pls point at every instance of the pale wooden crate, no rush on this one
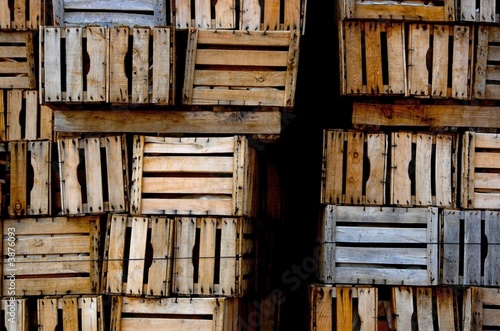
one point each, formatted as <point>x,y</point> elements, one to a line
<point>219,72</point>
<point>108,13</point>
<point>207,314</point>
<point>152,74</point>
<point>17,60</point>
<point>22,117</point>
<point>365,68</point>
<point>480,182</point>
<point>478,11</point>
<point>84,189</point>
<point>342,307</point>
<point>480,308</point>
<point>470,247</point>
<point>193,176</point>
<point>138,256</point>
<point>409,10</point>
<point>214,256</point>
<point>15,314</point>
<point>71,313</point>
<point>486,66</point>
<point>55,64</point>
<point>440,60</point>
<point>266,15</point>
<point>52,255</point>
<point>423,169</point>
<point>346,178</point>
<point>21,14</point>
<point>378,245</point>
<point>30,194</point>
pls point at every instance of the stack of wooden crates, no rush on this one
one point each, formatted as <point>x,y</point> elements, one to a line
<point>131,175</point>
<point>409,231</point>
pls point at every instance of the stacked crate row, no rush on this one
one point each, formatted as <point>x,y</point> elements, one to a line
<point>120,227</point>
<point>409,229</point>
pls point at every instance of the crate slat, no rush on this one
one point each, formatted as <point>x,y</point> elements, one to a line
<point>264,76</point>
<point>53,255</point>
<point>213,257</point>
<point>272,15</point>
<point>376,231</point>
<point>16,314</point>
<point>77,199</point>
<point>23,15</point>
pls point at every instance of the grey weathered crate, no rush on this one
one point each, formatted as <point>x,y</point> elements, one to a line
<point>365,69</point>
<point>138,256</point>
<point>30,194</point>
<point>194,176</point>
<point>354,167</point>
<point>22,117</point>
<point>207,314</point>
<point>409,10</point>
<point>17,69</point>
<point>480,188</point>
<point>245,68</point>
<point>378,245</point>
<point>71,313</point>
<point>470,247</point>
<point>22,14</point>
<point>82,163</point>
<point>214,256</point>
<point>109,13</point>
<point>52,255</point>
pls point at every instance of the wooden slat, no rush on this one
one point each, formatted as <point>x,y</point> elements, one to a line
<point>47,313</point>
<point>401,156</point>
<point>344,308</point>
<point>225,14</point>
<point>396,58</point>
<point>50,225</point>
<point>402,298</point>
<point>19,170</point>
<point>91,310</point>
<point>445,308</point>
<point>16,314</point>
<point>97,40</point>
<point>229,254</point>
<point>40,195</point>
<point>424,308</point>
<point>185,231</point>
<point>52,64</point>
<point>148,121</point>
<point>333,153</point>
<point>115,162</point>
<point>137,255</point>
<point>137,164</point>
<point>443,177</point>
<point>31,121</point>
<point>206,264</point>
<point>162,88</point>
<point>419,36</point>
<point>354,171</point>
<point>472,248</point>
<point>93,175</point>
<point>115,263</point>
<point>204,164</point>
<point>250,15</point>
<point>14,109</point>
<point>460,68</point>
<point>118,48</point>
<point>187,185</point>
<point>70,313</point>
<point>140,66</point>
<point>423,171</point>
<point>160,272</point>
<point>373,58</point>
<point>69,158</point>
<point>187,206</point>
<point>451,246</point>
<point>74,64</point>
<point>440,57</point>
<point>322,307</point>
<point>353,58</point>
<point>492,233</point>
<point>368,307</point>
<point>377,145</point>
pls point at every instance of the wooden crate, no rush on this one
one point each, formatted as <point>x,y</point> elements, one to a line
<point>207,314</point>
<point>30,194</point>
<point>51,256</point>
<point>22,117</point>
<point>354,169</point>
<point>152,74</point>
<point>272,15</point>
<point>108,13</point>
<point>423,169</point>
<point>14,314</point>
<point>71,313</point>
<point>470,247</point>
<point>17,67</point>
<point>481,307</point>
<point>440,60</point>
<point>249,68</point>
<point>342,307</point>
<point>486,65</point>
<point>21,14</point>
<point>82,163</point>
<point>64,71</point>
<point>409,10</point>
<point>204,14</point>
<point>138,256</point>
<point>378,245</point>
<point>372,58</point>
<point>482,11</point>
<point>480,182</point>
<point>193,176</point>
<point>214,257</point>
